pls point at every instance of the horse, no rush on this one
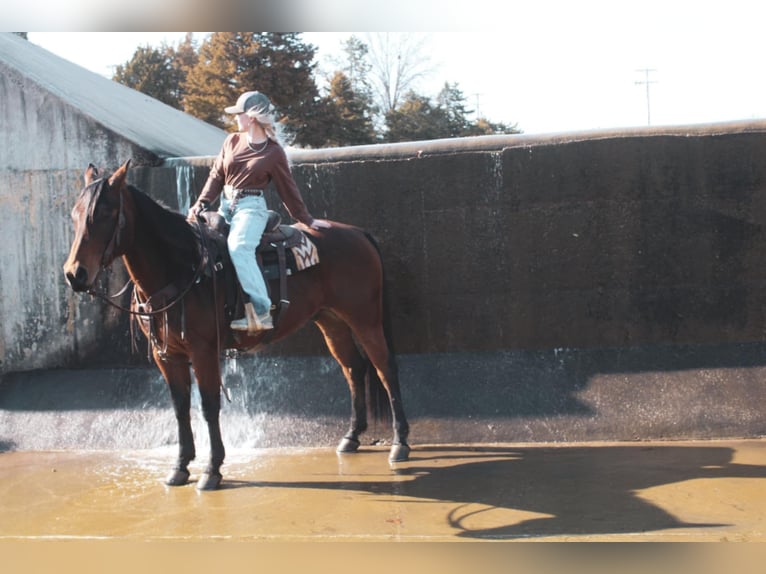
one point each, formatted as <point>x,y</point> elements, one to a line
<point>181,309</point>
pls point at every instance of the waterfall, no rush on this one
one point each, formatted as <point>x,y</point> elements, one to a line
<point>184,180</point>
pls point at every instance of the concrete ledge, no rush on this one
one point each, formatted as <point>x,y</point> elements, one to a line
<point>449,146</point>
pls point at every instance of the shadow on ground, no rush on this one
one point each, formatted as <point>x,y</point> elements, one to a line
<point>579,490</point>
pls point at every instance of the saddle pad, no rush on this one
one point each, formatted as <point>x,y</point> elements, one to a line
<point>297,258</point>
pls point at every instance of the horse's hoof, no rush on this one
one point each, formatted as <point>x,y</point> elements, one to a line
<point>347,445</point>
<point>178,477</point>
<point>399,453</point>
<point>209,481</point>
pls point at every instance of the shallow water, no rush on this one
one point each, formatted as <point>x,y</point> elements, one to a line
<point>698,491</point>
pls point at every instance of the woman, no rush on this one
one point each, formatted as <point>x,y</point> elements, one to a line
<point>248,161</point>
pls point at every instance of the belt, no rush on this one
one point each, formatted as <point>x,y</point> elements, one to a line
<point>234,193</point>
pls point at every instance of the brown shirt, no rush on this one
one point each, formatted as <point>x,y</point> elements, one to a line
<point>239,166</point>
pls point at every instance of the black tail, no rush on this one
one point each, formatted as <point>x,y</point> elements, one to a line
<point>378,403</point>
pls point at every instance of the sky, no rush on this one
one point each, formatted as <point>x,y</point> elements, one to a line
<point>549,65</point>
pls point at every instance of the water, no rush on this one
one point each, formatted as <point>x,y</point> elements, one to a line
<point>184,182</point>
<point>275,402</point>
<point>282,401</point>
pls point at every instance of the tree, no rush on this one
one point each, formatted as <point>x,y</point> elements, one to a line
<point>418,118</point>
<point>357,68</point>
<point>349,120</point>
<point>150,73</point>
<point>484,127</point>
<point>203,81</point>
<point>183,59</point>
<point>397,62</point>
<point>159,72</point>
<point>415,119</point>
<point>452,101</point>
<point>278,64</point>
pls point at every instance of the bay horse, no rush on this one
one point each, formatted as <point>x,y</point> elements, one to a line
<point>163,253</point>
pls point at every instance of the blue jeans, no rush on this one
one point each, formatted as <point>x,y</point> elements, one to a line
<point>248,222</point>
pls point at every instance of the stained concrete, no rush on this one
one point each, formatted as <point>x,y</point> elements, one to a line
<point>683,491</point>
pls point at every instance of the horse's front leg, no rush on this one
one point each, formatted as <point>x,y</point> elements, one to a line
<point>178,378</point>
<point>207,369</point>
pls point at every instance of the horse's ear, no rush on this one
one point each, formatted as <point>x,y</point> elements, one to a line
<point>118,177</point>
<point>91,173</point>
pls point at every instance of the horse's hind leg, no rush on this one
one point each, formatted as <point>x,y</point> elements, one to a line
<point>341,344</point>
<point>178,378</point>
<point>373,341</point>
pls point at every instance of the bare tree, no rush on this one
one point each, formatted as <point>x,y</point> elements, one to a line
<point>397,62</point>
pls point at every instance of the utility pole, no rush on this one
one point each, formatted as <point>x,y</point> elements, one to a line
<point>478,112</point>
<point>647,81</point>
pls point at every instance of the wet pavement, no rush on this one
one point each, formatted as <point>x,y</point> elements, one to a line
<point>660,491</point>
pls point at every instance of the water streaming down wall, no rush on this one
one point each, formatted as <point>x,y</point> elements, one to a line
<point>184,182</point>
<point>273,403</point>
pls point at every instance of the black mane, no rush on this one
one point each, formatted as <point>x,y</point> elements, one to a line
<point>171,228</point>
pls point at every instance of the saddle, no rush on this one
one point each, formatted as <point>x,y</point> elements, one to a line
<point>283,251</point>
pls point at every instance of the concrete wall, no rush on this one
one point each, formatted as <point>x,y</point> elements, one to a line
<point>608,239</point>
<point>55,119</point>
<point>575,241</point>
<point>45,146</point>
<point>563,287</point>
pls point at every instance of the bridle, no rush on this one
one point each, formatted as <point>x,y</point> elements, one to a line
<point>109,256</point>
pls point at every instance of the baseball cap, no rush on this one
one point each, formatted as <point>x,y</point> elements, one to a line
<point>248,101</point>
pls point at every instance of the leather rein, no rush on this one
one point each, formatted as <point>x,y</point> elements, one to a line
<point>108,258</point>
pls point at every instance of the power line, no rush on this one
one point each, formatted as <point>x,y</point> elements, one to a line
<point>646,81</point>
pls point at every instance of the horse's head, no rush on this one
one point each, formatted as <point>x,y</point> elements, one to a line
<point>99,217</point>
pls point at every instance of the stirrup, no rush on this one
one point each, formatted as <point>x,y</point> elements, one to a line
<point>264,322</point>
<point>252,322</point>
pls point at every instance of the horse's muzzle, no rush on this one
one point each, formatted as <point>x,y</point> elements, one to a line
<point>77,278</point>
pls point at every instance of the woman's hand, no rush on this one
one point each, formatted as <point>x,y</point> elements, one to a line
<point>196,209</point>
<point>320,224</point>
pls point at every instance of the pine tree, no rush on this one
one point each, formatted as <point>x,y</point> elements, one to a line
<point>348,119</point>
<point>208,87</point>
<point>182,60</point>
<point>415,119</point>
<point>484,127</point>
<point>150,72</point>
<point>159,72</point>
<point>452,101</point>
<point>418,118</point>
<point>279,65</point>
<point>357,69</point>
